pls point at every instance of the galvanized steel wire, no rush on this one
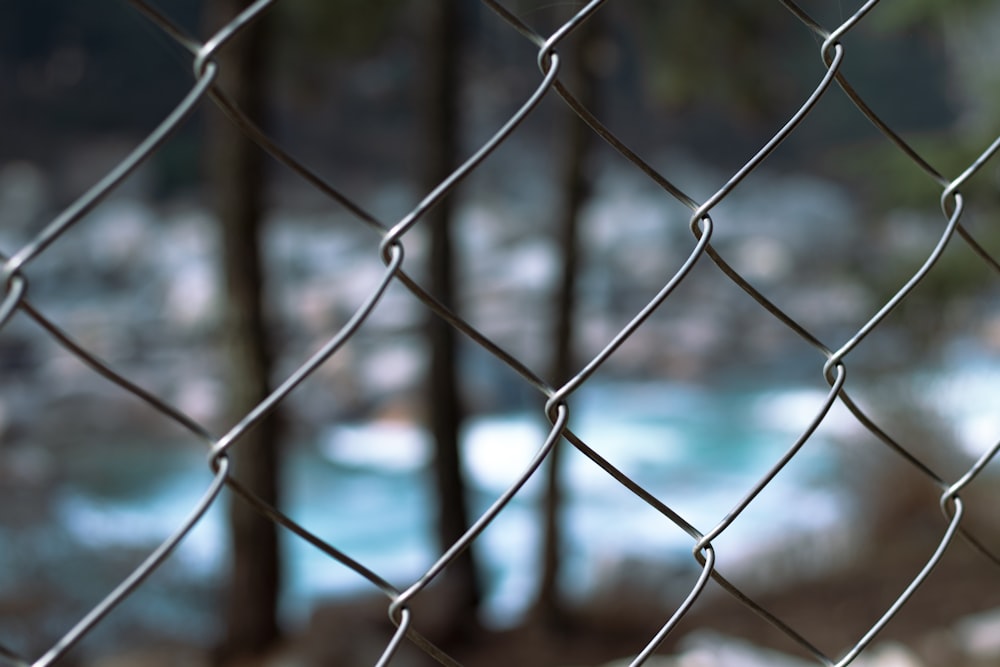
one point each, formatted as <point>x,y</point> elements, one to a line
<point>555,402</point>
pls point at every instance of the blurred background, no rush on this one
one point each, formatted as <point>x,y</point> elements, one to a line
<point>554,243</point>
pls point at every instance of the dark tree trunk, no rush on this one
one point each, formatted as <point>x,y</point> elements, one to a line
<point>442,89</point>
<point>237,177</point>
<point>575,188</point>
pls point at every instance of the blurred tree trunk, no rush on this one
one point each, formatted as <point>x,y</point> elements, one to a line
<point>442,89</point>
<point>237,177</point>
<point>574,187</point>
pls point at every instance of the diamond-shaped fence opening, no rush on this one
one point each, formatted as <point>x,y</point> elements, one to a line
<point>776,418</point>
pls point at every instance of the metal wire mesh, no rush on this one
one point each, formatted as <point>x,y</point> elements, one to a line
<point>555,402</point>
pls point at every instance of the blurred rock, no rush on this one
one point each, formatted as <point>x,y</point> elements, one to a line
<point>979,636</point>
<point>154,657</point>
<point>888,654</point>
<point>710,649</point>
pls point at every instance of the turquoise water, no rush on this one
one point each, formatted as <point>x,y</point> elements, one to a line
<point>364,488</point>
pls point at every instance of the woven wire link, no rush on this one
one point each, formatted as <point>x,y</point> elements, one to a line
<point>556,403</point>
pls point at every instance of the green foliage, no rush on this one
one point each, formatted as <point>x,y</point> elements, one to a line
<point>904,221</point>
<point>951,296</point>
<point>895,16</point>
<point>721,53</point>
<point>341,28</point>
<point>888,179</point>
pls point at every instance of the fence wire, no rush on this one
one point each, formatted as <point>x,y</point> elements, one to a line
<point>555,402</point>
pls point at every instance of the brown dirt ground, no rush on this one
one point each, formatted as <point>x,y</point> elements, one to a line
<point>832,613</point>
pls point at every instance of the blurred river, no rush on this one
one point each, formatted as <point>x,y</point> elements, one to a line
<point>146,300</point>
<point>364,488</point>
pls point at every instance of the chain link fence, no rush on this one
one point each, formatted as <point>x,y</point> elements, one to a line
<point>555,403</point>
